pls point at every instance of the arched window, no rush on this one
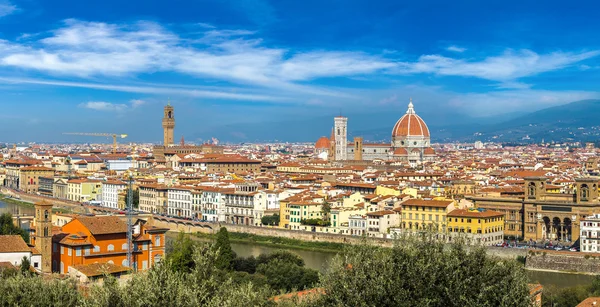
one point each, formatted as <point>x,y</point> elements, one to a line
<point>531,190</point>
<point>585,192</point>
<point>111,262</point>
<point>170,114</point>
<point>45,231</point>
<point>96,249</point>
<point>46,214</point>
<point>111,247</point>
<point>124,246</point>
<point>125,263</point>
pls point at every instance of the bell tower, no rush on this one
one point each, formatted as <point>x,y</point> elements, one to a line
<point>168,124</point>
<point>586,190</point>
<point>43,234</point>
<point>535,188</point>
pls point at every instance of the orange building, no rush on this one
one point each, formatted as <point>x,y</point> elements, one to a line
<point>87,240</point>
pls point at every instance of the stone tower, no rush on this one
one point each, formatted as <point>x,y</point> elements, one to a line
<point>43,234</point>
<point>358,148</point>
<point>168,124</point>
<point>341,138</point>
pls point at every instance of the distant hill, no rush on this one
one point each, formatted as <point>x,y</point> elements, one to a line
<point>578,121</point>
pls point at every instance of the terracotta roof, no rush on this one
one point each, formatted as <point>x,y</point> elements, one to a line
<point>6,265</point>
<point>590,301</point>
<point>13,244</point>
<point>98,269</point>
<point>322,143</point>
<point>380,213</point>
<point>101,225</point>
<point>410,125</point>
<point>37,168</point>
<point>427,203</point>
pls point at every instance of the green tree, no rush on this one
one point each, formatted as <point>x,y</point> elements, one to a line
<point>270,220</point>
<point>180,254</point>
<point>25,265</point>
<point>282,255</point>
<point>326,210</point>
<point>136,198</point>
<point>287,276</point>
<point>422,272</point>
<point>226,255</point>
<point>7,227</point>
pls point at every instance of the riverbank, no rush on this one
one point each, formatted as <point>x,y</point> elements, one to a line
<point>278,242</point>
<point>9,200</point>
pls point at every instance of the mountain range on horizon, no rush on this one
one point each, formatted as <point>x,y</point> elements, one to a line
<point>572,121</point>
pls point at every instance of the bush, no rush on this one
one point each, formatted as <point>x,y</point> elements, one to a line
<point>315,222</point>
<point>270,220</point>
<point>287,276</point>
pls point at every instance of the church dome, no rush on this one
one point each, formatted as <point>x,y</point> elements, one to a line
<point>322,143</point>
<point>410,125</point>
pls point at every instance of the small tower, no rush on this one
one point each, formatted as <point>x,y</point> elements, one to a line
<point>358,148</point>
<point>586,190</point>
<point>341,138</point>
<point>182,141</point>
<point>43,233</point>
<point>168,124</point>
<point>535,188</point>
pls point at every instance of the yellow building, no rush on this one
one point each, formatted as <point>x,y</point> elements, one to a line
<point>303,211</point>
<point>411,191</point>
<point>29,177</point>
<point>419,214</point>
<point>381,190</point>
<point>82,190</point>
<point>479,225</point>
<point>353,200</point>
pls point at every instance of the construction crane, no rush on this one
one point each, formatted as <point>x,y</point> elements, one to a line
<point>113,135</point>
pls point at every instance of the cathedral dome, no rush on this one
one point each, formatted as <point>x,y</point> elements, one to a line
<point>410,125</point>
<point>322,143</point>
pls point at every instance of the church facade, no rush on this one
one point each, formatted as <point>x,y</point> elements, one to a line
<point>410,142</point>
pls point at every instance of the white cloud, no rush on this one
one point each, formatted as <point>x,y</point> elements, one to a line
<point>454,48</point>
<point>7,8</point>
<point>509,66</point>
<point>103,106</point>
<point>136,103</point>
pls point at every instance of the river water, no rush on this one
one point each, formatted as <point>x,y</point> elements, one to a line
<point>318,259</point>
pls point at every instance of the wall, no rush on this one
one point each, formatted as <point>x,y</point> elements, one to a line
<point>563,261</point>
<point>15,258</point>
<point>510,253</point>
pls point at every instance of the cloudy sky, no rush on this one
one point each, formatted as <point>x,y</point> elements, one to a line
<point>110,66</point>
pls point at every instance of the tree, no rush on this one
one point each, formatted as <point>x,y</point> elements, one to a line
<point>325,209</point>
<point>226,255</point>
<point>180,256</point>
<point>7,227</point>
<point>287,276</point>
<point>136,198</point>
<point>270,220</point>
<point>422,272</point>
<point>25,265</point>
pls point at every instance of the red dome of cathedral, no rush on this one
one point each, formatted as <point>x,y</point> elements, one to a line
<point>410,125</point>
<point>322,143</point>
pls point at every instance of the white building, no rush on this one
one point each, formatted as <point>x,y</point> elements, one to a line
<point>379,222</point>
<point>13,248</point>
<point>119,165</point>
<point>179,202</point>
<point>589,234</point>
<point>357,225</point>
<point>110,193</point>
<point>212,204</point>
<point>341,138</point>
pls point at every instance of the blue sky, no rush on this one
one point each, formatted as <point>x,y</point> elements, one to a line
<point>110,66</point>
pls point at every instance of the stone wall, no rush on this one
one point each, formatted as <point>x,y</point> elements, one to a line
<point>563,261</point>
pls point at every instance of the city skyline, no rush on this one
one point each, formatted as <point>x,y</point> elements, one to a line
<point>94,68</point>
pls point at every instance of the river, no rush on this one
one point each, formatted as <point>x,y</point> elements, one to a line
<point>318,259</point>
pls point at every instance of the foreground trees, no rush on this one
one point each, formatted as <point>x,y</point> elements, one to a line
<point>416,272</point>
<point>7,227</point>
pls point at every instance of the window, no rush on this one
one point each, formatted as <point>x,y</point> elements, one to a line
<point>111,247</point>
<point>144,265</point>
<point>69,251</point>
<point>157,240</point>
<point>124,246</point>
<point>54,247</point>
<point>96,249</point>
<point>78,251</point>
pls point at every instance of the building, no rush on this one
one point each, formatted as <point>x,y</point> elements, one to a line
<point>84,190</point>
<point>91,240</point>
<point>378,222</point>
<point>153,198</point>
<point>537,215</point>
<point>46,186</point>
<point>589,236</point>
<point>179,201</point>
<point>60,188</point>
<point>110,193</point>
<point>410,142</point>
<point>425,215</point>
<point>43,234</point>
<point>13,248</point>
<point>29,177</point>
<point>168,149</point>
<point>478,225</point>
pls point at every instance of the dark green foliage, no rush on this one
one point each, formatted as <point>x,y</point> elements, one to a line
<point>136,198</point>
<point>240,278</point>
<point>315,222</point>
<point>270,220</point>
<point>7,227</point>
<point>287,276</point>
<point>282,255</point>
<point>180,254</point>
<point>247,265</point>
<point>422,272</point>
<point>25,264</point>
<point>225,257</point>
<point>521,259</point>
<point>279,241</point>
<point>571,296</point>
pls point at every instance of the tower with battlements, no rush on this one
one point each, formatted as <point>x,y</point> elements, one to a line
<point>168,124</point>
